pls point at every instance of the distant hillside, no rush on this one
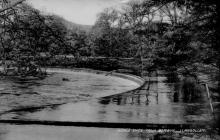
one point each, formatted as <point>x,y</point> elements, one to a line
<point>73,26</point>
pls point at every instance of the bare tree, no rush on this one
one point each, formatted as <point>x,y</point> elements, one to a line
<point>7,5</point>
<point>6,16</point>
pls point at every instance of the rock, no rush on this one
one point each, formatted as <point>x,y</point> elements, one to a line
<point>65,79</point>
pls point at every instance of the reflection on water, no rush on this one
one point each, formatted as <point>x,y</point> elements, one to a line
<point>156,105</point>
<point>26,95</point>
<point>159,102</point>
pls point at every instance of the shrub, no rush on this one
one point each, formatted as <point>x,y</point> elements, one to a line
<point>190,88</point>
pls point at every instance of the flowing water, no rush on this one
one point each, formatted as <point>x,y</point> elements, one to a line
<point>60,87</point>
<point>156,105</point>
<point>91,98</point>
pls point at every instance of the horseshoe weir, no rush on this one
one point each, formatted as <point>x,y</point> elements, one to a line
<point>97,101</point>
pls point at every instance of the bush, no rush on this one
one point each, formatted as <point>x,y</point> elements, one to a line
<point>190,88</point>
<point>92,63</point>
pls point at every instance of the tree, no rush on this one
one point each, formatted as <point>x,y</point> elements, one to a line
<point>6,6</point>
<point>111,39</point>
<point>7,14</point>
<point>183,21</point>
<point>78,44</point>
<point>28,35</point>
<point>56,33</point>
<point>138,18</point>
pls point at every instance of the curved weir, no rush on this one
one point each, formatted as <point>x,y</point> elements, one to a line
<point>128,104</point>
<point>62,86</point>
<point>95,103</point>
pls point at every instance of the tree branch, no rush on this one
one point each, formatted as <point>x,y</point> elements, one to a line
<point>11,5</point>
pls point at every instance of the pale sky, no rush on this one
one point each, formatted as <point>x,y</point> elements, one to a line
<point>78,11</point>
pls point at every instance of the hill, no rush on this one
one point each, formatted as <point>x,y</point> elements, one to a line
<point>73,26</point>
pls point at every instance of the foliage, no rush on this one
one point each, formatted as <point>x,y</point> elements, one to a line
<point>27,36</point>
<point>110,39</point>
<point>165,34</point>
<point>87,62</point>
<point>78,44</point>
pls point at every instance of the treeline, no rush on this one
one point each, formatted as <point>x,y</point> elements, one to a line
<point>167,34</point>
<point>26,36</point>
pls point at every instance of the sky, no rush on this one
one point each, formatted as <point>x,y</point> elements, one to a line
<point>78,11</point>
